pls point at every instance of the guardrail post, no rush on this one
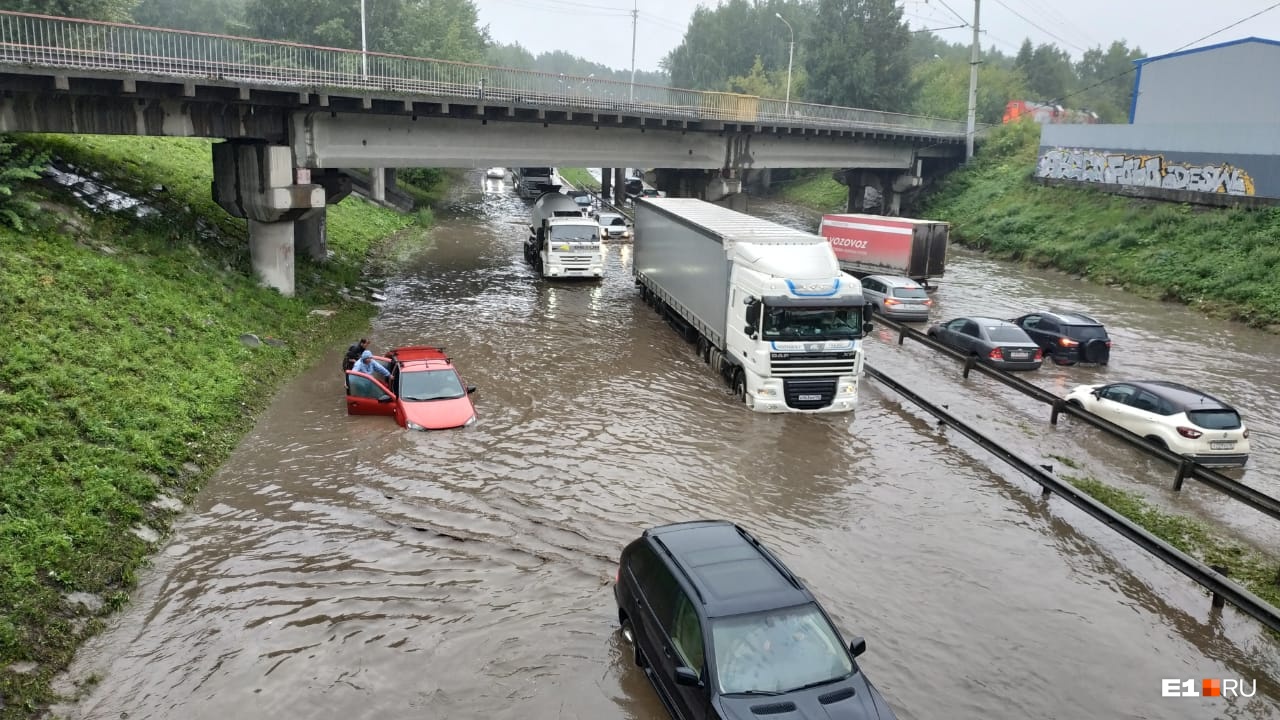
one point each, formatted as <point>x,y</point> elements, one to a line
<point>902,334</point>
<point>968,365</point>
<point>1218,601</point>
<point>1276,581</point>
<point>1058,406</point>
<point>1185,468</point>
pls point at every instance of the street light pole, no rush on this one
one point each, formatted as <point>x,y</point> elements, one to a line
<point>364,47</point>
<point>791,53</point>
<point>974,60</point>
<point>635,13</point>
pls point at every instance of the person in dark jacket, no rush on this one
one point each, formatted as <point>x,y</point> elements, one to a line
<point>349,360</point>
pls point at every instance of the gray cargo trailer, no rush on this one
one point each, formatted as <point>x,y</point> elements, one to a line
<point>687,264</point>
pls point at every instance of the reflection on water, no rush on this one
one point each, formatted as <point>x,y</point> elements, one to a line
<point>341,567</point>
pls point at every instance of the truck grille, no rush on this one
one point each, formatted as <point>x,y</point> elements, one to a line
<point>810,364</point>
<point>809,394</point>
<point>575,260</point>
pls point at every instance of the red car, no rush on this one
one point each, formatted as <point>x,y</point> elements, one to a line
<point>425,391</point>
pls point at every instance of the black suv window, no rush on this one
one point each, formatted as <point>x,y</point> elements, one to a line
<point>1032,321</point>
<point>1220,419</point>
<point>656,582</point>
<point>1048,325</point>
<point>1084,333</point>
<point>686,635</point>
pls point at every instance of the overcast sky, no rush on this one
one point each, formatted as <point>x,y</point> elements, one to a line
<point>600,30</point>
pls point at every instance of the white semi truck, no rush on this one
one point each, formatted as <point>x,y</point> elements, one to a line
<point>562,243</point>
<point>767,306</point>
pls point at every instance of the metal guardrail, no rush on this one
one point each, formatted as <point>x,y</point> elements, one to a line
<point>1186,468</point>
<point>59,42</point>
<point>1204,575</point>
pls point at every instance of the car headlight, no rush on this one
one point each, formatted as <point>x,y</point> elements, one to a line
<point>413,425</point>
<point>846,389</point>
<point>470,422</point>
<point>766,392</point>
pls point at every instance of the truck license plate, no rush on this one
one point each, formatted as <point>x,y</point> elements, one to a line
<point>803,398</point>
<point>1222,444</point>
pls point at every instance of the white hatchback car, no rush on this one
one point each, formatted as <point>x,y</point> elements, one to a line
<point>1184,420</point>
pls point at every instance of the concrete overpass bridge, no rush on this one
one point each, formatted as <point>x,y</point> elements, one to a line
<point>295,116</point>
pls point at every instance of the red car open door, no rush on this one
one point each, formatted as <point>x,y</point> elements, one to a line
<point>367,395</point>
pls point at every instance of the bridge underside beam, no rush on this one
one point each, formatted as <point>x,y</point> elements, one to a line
<point>336,140</point>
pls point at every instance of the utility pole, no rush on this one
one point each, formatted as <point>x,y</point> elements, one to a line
<point>635,14</point>
<point>974,60</point>
<point>364,47</point>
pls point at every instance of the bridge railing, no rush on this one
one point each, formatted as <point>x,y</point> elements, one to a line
<point>57,42</point>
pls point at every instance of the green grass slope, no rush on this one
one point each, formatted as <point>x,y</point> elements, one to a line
<point>126,379</point>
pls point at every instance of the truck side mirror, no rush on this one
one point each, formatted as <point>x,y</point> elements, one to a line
<point>753,312</point>
<point>867,328</point>
<point>750,330</point>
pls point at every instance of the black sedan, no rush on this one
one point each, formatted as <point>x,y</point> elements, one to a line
<point>998,343</point>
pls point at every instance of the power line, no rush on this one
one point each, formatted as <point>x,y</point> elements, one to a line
<point>960,17</point>
<point>1041,29</point>
<point>1054,16</point>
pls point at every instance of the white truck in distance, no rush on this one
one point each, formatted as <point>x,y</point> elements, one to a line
<point>766,305</point>
<point>562,242</point>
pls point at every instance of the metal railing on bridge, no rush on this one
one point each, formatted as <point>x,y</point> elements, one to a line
<point>57,42</point>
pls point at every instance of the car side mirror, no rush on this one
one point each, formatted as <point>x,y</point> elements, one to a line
<point>857,646</point>
<point>687,677</point>
<point>471,389</point>
<point>1096,393</point>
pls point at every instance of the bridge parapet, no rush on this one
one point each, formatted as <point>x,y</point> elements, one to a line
<point>56,42</point>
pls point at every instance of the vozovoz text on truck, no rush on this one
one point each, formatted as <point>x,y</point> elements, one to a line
<point>562,242</point>
<point>879,245</point>
<point>766,305</point>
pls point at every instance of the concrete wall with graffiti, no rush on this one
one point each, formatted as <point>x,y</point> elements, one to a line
<point>1197,162</point>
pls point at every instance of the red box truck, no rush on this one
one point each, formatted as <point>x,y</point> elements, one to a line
<point>875,244</point>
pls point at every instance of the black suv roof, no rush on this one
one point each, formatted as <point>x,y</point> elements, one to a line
<point>1071,318</point>
<point>729,570</point>
<point>1180,396</point>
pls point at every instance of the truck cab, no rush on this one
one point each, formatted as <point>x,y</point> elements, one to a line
<point>800,337</point>
<point>562,243</point>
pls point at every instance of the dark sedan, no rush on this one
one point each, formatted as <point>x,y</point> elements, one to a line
<point>998,343</point>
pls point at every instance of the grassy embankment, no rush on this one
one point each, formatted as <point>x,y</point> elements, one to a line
<point>126,382</point>
<point>1223,261</point>
<point>1219,259</point>
<point>579,178</point>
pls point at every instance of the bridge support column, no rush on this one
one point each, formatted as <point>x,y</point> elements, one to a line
<point>606,182</point>
<point>311,230</point>
<point>378,185</point>
<point>255,181</point>
<point>714,186</point>
<point>878,190</point>
<point>619,187</point>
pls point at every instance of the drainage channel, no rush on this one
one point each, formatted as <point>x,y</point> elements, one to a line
<point>1219,585</point>
<point>1186,468</point>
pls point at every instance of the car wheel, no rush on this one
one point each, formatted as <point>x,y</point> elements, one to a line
<point>740,385</point>
<point>1157,442</point>
<point>628,634</point>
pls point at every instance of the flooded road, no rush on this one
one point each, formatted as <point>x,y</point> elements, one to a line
<point>340,567</point>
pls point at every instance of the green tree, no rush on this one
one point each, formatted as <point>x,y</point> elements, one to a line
<point>944,90</point>
<point>16,167</point>
<point>225,17</point>
<point>858,54</point>
<point>444,29</point>
<point>723,42</point>
<point>112,10</point>
<point>1048,70</point>
<point>1106,79</point>
<point>767,84</point>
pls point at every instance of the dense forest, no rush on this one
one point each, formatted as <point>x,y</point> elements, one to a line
<point>859,53</point>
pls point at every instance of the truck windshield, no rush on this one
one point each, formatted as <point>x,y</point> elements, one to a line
<point>812,323</point>
<point>576,233</point>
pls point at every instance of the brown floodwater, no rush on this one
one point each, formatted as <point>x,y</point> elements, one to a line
<point>340,567</point>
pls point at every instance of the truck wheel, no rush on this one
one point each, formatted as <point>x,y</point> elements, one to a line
<point>740,385</point>
<point>704,350</point>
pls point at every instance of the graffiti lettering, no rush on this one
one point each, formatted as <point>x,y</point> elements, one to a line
<point>1142,171</point>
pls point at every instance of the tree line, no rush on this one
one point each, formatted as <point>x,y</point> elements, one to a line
<point>857,53</point>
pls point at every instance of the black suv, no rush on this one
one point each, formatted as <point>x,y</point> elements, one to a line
<point>724,630</point>
<point>1068,337</point>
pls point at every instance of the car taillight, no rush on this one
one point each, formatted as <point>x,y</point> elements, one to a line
<point>928,303</point>
<point>1067,342</point>
<point>1039,354</point>
<point>1246,433</point>
<point>892,301</point>
<point>618,578</point>
<point>1108,343</point>
<point>1187,432</point>
<point>995,354</point>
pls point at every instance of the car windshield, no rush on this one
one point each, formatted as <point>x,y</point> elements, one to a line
<point>777,651</point>
<point>1220,419</point>
<point>1004,333</point>
<point>910,292</point>
<point>430,385</point>
<point>1086,332</point>
<point>575,233</point>
<point>812,323</point>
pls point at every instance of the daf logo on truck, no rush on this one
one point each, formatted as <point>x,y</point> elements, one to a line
<point>722,279</point>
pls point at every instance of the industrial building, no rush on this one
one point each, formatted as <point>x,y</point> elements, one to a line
<point>1223,83</point>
